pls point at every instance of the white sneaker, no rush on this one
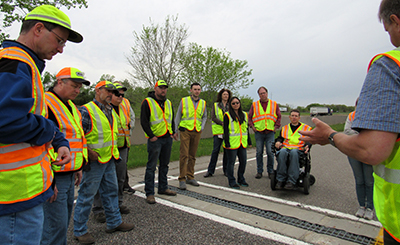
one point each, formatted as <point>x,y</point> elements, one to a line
<point>369,214</point>
<point>360,212</point>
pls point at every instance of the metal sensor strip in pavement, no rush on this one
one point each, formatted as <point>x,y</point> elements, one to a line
<point>271,215</point>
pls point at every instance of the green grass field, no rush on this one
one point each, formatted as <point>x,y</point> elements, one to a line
<point>138,153</point>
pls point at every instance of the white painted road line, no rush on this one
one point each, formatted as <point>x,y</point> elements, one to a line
<point>243,227</point>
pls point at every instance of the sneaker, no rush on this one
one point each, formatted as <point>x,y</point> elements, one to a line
<point>369,214</point>
<point>85,239</point>
<point>192,182</point>
<point>129,190</point>
<point>150,199</point>
<point>360,212</point>
<point>279,185</point>
<point>124,209</point>
<point>182,185</point>
<point>167,192</point>
<point>100,218</point>
<point>289,186</point>
<point>208,174</point>
<point>244,184</point>
<point>258,175</point>
<point>122,227</point>
<point>235,186</point>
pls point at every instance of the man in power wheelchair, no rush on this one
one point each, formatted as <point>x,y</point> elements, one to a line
<point>293,158</point>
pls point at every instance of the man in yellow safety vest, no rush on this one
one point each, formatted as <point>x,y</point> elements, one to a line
<point>378,122</point>
<point>190,120</point>
<point>99,122</point>
<point>25,133</point>
<point>157,122</point>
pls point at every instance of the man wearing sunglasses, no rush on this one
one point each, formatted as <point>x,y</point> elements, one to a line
<point>123,142</point>
<point>25,133</point>
<point>100,124</point>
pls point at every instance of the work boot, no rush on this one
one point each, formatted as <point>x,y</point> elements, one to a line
<point>258,175</point>
<point>289,186</point>
<point>100,217</point>
<point>150,199</point>
<point>85,239</point>
<point>124,209</point>
<point>182,185</point>
<point>122,227</point>
<point>167,192</point>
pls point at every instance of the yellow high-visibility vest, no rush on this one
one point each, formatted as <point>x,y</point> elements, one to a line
<point>25,169</point>
<point>387,177</point>
<point>192,117</point>
<point>237,133</point>
<point>160,121</point>
<point>103,136</point>
<point>217,129</point>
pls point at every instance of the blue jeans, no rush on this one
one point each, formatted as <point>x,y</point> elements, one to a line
<point>157,150</point>
<point>58,214</point>
<point>288,173</point>
<point>364,182</point>
<point>214,156</point>
<point>242,155</point>
<point>261,141</point>
<point>101,177</point>
<point>22,227</point>
<point>120,169</point>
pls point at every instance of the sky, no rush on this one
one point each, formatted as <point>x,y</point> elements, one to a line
<point>310,51</point>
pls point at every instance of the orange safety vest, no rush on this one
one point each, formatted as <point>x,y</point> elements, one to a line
<point>292,138</point>
<point>70,125</point>
<point>25,169</point>
<point>264,119</point>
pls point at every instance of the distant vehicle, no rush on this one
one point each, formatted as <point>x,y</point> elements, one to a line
<point>320,111</point>
<point>283,109</point>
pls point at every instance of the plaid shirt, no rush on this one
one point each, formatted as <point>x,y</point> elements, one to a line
<point>379,103</point>
<point>87,122</point>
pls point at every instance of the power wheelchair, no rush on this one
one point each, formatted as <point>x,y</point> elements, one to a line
<point>305,179</point>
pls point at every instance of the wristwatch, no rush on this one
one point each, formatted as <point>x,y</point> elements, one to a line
<point>330,138</point>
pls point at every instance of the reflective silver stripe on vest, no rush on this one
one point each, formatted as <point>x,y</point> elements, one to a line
<point>39,94</point>
<point>15,147</point>
<point>186,101</point>
<point>57,101</point>
<point>99,125</point>
<point>388,174</point>
<point>233,128</point>
<point>23,163</point>
<point>50,18</point>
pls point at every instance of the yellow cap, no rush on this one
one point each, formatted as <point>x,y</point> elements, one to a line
<point>53,15</point>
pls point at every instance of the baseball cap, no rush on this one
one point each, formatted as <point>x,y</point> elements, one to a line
<point>73,74</point>
<point>107,84</point>
<point>119,86</point>
<point>160,83</point>
<point>53,15</point>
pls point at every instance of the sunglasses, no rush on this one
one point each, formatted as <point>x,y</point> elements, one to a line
<point>116,93</point>
<point>235,103</point>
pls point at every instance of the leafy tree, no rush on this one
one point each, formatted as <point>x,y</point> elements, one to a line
<point>156,52</point>
<point>15,10</point>
<point>108,77</point>
<point>48,80</point>
<point>246,102</point>
<point>214,69</point>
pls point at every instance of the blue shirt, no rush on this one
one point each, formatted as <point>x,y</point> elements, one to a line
<point>378,106</point>
<point>17,124</point>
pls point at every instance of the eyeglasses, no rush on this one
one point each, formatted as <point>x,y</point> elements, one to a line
<point>235,103</point>
<point>61,41</point>
<point>116,93</point>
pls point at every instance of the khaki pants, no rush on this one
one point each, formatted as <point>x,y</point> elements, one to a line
<point>187,158</point>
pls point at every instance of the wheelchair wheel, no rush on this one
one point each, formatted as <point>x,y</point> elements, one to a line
<point>306,184</point>
<point>273,180</point>
<point>312,179</point>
